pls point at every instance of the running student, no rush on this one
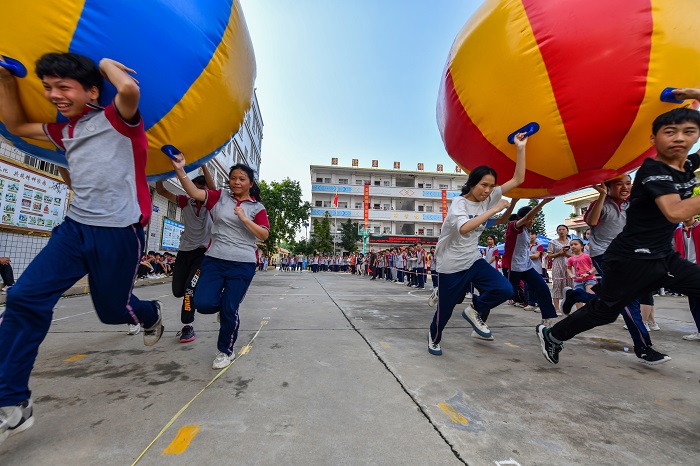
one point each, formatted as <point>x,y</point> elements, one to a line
<point>607,216</point>
<point>228,266</point>
<point>106,149</point>
<point>459,262</point>
<point>641,258</point>
<point>194,242</point>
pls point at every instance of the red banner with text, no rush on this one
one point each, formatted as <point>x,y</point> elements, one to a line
<point>366,206</point>
<point>444,204</point>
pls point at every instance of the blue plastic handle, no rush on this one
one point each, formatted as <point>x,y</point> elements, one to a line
<point>170,151</point>
<point>529,129</point>
<point>15,67</point>
<point>667,95</point>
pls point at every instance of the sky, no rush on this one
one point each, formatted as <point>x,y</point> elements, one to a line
<point>354,80</point>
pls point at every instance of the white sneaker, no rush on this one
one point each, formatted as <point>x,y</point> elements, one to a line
<point>646,326</point>
<point>475,321</point>
<point>433,300</point>
<point>529,307</point>
<point>222,360</point>
<point>653,326</point>
<point>433,348</point>
<point>476,335</point>
<point>151,335</point>
<point>692,337</point>
<point>134,329</point>
<point>16,419</point>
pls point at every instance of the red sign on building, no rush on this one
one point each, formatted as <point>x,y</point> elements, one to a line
<point>366,206</point>
<point>397,165</point>
<point>444,204</point>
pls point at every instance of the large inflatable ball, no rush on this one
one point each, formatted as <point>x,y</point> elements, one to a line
<point>194,62</point>
<point>588,73</point>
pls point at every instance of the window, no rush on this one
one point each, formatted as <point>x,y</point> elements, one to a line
<point>444,186</point>
<point>377,183</point>
<point>172,209</point>
<point>326,203</point>
<point>428,185</point>
<point>327,180</point>
<point>421,208</point>
<point>429,232</point>
<point>358,205</point>
<point>318,203</point>
<point>387,183</point>
<point>421,232</point>
<point>428,208</point>
<point>319,179</point>
<point>375,230</point>
<point>359,182</point>
<point>386,230</point>
<point>342,205</point>
<point>342,181</point>
<point>386,206</point>
<point>420,185</point>
<point>376,206</point>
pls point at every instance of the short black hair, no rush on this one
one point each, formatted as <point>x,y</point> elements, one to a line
<point>523,211</point>
<point>73,66</point>
<point>576,239</point>
<point>200,180</point>
<point>675,117</point>
<point>476,175</point>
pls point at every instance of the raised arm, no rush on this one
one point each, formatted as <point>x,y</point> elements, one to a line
<point>162,190</point>
<point>676,209</point>
<point>519,174</point>
<point>187,184</point>
<point>503,219</point>
<point>530,215</point>
<point>592,217</point>
<point>208,179</point>
<point>128,91</point>
<point>474,223</point>
<point>12,111</point>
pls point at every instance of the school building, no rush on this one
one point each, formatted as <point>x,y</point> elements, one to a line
<point>33,198</point>
<point>398,206</point>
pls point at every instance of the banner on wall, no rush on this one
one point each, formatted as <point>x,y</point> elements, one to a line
<point>30,201</point>
<point>170,234</point>
<point>366,205</point>
<point>444,204</point>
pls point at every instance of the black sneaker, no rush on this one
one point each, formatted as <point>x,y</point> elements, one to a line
<point>16,419</point>
<point>650,356</point>
<point>186,334</point>
<point>568,301</point>
<point>550,350</point>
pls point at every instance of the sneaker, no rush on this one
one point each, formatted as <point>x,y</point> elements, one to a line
<point>475,321</point>
<point>530,307</point>
<point>550,350</point>
<point>692,337</point>
<point>433,300</point>
<point>433,348</point>
<point>653,326</point>
<point>646,326</point>
<point>476,335</point>
<point>134,329</point>
<point>547,322</point>
<point>16,419</point>
<point>567,303</point>
<point>152,334</point>
<point>186,334</point>
<point>222,360</point>
<point>650,356</point>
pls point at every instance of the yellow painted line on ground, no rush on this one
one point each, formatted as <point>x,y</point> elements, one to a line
<point>385,345</point>
<point>184,408</point>
<point>452,413</point>
<point>245,350</point>
<point>274,308</point>
<point>181,441</point>
<point>511,345</point>
<point>75,358</point>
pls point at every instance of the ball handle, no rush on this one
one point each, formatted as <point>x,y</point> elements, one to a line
<point>15,67</point>
<point>667,95</point>
<point>170,150</point>
<point>529,129</point>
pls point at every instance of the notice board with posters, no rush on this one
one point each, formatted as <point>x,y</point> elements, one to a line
<point>30,200</point>
<point>170,234</point>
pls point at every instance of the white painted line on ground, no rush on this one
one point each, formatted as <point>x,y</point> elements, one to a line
<point>68,317</point>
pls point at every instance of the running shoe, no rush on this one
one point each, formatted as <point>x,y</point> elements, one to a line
<point>151,335</point>
<point>476,335</point>
<point>134,329</point>
<point>550,350</point>
<point>653,326</point>
<point>475,321</point>
<point>433,300</point>
<point>186,334</point>
<point>16,419</point>
<point>692,337</point>
<point>650,356</point>
<point>547,322</point>
<point>433,348</point>
<point>530,307</point>
<point>568,302</point>
<point>222,360</point>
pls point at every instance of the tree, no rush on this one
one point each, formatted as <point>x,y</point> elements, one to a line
<point>285,211</point>
<point>349,236</point>
<point>321,236</point>
<point>538,226</point>
<point>497,231</point>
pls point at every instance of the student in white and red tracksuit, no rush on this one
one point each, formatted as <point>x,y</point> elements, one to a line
<point>686,240</point>
<point>229,265</point>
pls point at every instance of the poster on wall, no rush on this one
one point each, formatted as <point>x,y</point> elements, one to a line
<point>30,201</point>
<point>170,234</point>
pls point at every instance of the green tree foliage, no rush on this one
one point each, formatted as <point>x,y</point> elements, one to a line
<point>285,210</point>
<point>349,236</point>
<point>538,227</point>
<point>321,235</point>
<point>497,231</point>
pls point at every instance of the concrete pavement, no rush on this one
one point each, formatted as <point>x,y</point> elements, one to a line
<point>340,374</point>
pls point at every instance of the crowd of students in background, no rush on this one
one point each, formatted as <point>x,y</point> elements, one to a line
<point>156,265</point>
